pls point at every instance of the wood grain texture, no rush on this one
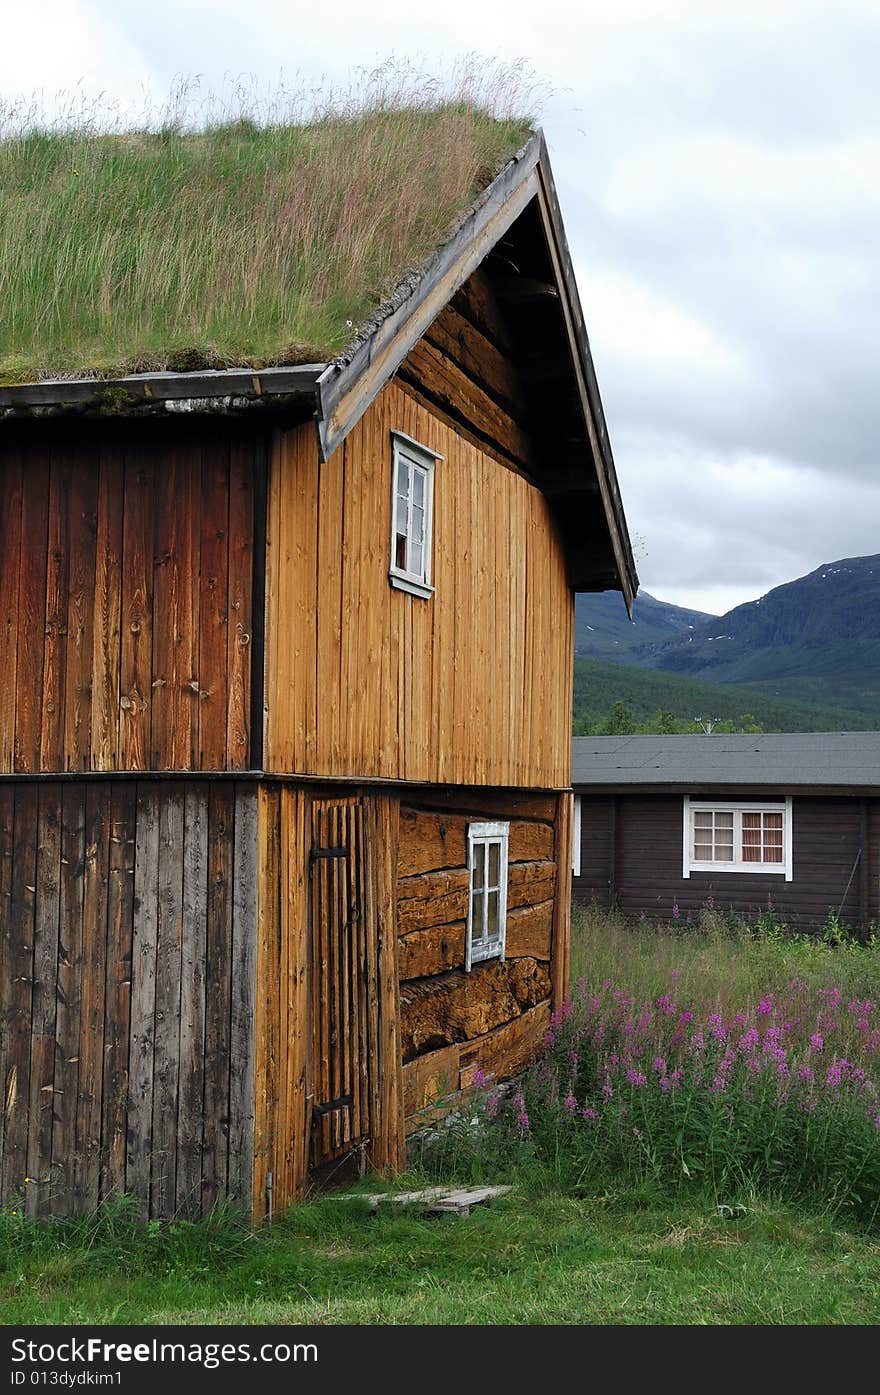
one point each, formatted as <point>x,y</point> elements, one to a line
<point>124,557</point>
<point>126,993</point>
<point>415,701</point>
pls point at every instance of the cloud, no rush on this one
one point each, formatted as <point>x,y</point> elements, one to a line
<point>718,172</point>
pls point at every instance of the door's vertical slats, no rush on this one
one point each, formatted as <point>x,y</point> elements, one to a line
<point>342,981</point>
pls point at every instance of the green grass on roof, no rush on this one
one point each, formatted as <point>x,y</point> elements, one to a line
<point>240,244</point>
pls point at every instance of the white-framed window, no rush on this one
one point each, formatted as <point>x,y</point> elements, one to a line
<point>487,903</point>
<point>737,836</point>
<point>412,506</point>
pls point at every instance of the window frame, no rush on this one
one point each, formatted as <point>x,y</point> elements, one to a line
<point>738,807</point>
<point>484,834</point>
<point>423,458</point>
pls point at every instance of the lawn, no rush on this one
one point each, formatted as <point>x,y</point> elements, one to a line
<point>634,1237</point>
<point>625,1258</point>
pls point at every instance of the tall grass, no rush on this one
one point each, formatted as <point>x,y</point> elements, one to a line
<point>253,231</point>
<point>710,1062</point>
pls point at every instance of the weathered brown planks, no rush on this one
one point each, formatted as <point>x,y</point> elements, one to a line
<point>126,994</point>
<point>456,1007</point>
<point>127,598</point>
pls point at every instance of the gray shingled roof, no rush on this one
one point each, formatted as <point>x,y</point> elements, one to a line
<point>803,758</point>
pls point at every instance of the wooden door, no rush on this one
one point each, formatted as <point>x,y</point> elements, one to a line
<point>344,977</point>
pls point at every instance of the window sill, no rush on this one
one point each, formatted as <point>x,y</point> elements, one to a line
<point>408,583</point>
<point>480,953</point>
<point>778,869</point>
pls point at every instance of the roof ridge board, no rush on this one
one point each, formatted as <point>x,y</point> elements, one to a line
<point>351,381</point>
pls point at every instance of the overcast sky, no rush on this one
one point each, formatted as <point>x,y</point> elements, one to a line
<point>718,167</point>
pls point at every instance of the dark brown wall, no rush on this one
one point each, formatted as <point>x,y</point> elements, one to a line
<point>631,856</point>
<point>126,596</point>
<point>127,939</point>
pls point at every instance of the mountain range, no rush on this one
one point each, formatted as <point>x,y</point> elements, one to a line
<point>815,639</point>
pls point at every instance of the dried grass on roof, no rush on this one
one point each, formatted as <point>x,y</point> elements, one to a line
<point>264,237</point>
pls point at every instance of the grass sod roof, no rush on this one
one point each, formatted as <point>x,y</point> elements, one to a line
<point>239,245</point>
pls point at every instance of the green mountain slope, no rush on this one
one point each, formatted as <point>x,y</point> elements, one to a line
<point>599,684</point>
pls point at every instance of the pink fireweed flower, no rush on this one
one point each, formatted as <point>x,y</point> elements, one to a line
<point>479,1078</point>
<point>765,1006</point>
<point>806,1074</point>
<point>782,1070</point>
<point>718,1086</point>
<point>740,1019</point>
<point>589,1113</point>
<point>637,1078</point>
<point>606,984</point>
<point>698,1041</point>
<point>817,1041</point>
<point>749,1039</point>
<point>665,1085</point>
<point>675,911</point>
<point>685,1018</point>
<point>753,1065</point>
<point>607,1091</point>
<point>659,1065</point>
<point>570,1103</point>
<point>676,973</point>
<point>716,1026</point>
<point>676,1077</point>
<point>665,1005</point>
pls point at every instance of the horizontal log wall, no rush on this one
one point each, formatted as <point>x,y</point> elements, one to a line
<point>495,1016</point>
<point>631,856</point>
<point>127,938</point>
<point>126,597</point>
<point>470,686</point>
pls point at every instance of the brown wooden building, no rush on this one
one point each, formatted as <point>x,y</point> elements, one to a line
<point>730,821</point>
<point>286,673</point>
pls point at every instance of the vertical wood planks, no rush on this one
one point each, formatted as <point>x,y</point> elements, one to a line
<point>143,997</point>
<point>65,1158</point>
<point>127,599</point>
<point>218,989</point>
<point>16,989</point>
<point>244,938</point>
<point>10,557</point>
<point>44,1000</point>
<point>93,971</point>
<point>117,1007</point>
<point>470,686</point>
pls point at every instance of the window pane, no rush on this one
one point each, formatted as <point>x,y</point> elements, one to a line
<point>494,926</point>
<point>478,878</point>
<point>419,488</point>
<point>723,852</point>
<point>702,818</point>
<point>723,822</point>
<point>772,854</point>
<point>703,852</point>
<point>402,477</point>
<point>401,514</point>
<point>415,557</point>
<point>400,551</point>
<point>494,864</point>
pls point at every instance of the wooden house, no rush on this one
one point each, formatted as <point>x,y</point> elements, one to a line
<point>789,822</point>
<point>286,669</point>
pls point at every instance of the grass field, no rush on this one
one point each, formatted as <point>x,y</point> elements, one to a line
<point>607,1251</point>
<point>624,1258</point>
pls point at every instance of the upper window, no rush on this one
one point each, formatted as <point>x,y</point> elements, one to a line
<point>487,907</point>
<point>723,836</point>
<point>411,511</point>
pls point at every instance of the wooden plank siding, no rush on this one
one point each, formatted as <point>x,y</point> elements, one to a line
<point>126,994</point>
<point>127,598</point>
<point>631,857</point>
<point>468,687</point>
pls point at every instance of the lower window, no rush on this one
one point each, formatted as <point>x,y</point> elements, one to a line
<point>724,836</point>
<point>487,904</point>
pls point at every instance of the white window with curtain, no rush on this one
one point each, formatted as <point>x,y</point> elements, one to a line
<point>733,836</point>
<point>412,507</point>
<point>487,903</point>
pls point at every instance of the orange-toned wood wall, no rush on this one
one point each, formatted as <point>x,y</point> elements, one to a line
<point>472,686</point>
<point>126,597</point>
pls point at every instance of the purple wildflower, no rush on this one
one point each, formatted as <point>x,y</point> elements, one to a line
<point>817,1041</point>
<point>570,1103</point>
